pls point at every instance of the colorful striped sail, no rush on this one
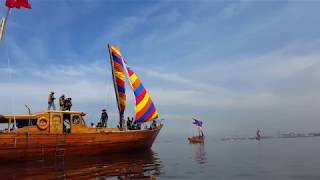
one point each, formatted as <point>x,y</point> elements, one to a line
<point>145,109</point>
<point>119,77</point>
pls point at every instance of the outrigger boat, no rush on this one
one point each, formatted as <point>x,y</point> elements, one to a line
<point>65,133</point>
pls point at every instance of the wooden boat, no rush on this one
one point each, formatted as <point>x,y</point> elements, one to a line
<point>200,137</point>
<point>196,139</point>
<point>66,133</point>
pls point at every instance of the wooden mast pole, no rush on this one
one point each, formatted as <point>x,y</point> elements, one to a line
<point>114,84</point>
<point>4,24</point>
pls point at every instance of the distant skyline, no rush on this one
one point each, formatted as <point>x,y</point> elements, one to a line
<point>237,65</point>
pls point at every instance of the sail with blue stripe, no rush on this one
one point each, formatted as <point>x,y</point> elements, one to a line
<point>145,109</point>
<point>119,78</point>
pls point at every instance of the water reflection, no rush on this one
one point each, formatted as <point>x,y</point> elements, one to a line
<point>142,165</point>
<point>200,153</point>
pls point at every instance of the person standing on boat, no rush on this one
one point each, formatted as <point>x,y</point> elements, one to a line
<point>154,124</point>
<point>68,104</point>
<point>133,126</point>
<point>138,126</point>
<point>62,101</point>
<point>104,118</point>
<point>129,123</point>
<point>51,101</point>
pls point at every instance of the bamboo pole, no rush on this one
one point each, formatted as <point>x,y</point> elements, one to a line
<point>4,24</point>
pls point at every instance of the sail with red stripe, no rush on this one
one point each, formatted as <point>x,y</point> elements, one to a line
<point>145,109</point>
<point>119,78</point>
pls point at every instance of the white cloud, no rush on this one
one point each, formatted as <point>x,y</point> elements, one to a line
<point>64,72</point>
<point>268,67</point>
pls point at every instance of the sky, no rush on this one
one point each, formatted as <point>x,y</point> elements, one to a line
<point>236,65</point>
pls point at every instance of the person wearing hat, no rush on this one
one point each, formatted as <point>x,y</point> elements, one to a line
<point>68,104</point>
<point>51,101</point>
<point>104,118</point>
<point>62,102</point>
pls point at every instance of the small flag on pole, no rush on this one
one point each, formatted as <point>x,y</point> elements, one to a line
<point>197,122</point>
<point>3,21</point>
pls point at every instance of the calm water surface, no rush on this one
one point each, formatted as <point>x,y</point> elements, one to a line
<point>296,158</point>
<point>174,158</point>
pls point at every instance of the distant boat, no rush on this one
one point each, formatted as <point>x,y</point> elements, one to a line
<point>200,138</point>
<point>196,139</point>
<point>65,133</point>
<point>258,135</point>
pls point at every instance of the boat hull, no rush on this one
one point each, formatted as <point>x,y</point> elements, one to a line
<point>24,146</point>
<point>196,139</point>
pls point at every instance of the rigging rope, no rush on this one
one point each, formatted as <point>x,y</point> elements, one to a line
<point>10,71</point>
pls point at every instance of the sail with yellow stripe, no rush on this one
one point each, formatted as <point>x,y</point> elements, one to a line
<point>145,108</point>
<point>119,78</point>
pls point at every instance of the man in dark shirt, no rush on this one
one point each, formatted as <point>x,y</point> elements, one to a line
<point>68,104</point>
<point>104,118</point>
<point>129,123</point>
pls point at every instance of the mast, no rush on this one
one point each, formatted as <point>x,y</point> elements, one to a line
<point>115,86</point>
<point>3,24</point>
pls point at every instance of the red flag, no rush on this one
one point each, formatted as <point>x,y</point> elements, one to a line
<point>18,4</point>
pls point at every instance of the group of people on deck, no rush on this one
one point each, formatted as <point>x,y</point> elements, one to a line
<point>65,103</point>
<point>130,123</point>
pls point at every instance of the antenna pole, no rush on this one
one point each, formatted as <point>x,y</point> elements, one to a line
<point>29,112</point>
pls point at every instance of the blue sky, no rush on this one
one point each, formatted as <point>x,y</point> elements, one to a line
<point>238,65</point>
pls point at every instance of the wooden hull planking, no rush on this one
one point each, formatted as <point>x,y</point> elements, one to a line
<point>24,146</point>
<point>196,139</point>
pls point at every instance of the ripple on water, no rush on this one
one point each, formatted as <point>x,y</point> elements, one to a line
<point>140,165</point>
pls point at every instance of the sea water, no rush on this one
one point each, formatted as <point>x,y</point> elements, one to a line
<point>175,158</point>
<point>285,158</point>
